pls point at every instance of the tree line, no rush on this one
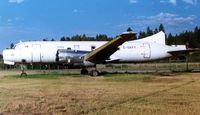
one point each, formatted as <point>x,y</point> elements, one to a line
<point>99,37</point>
<point>104,37</point>
<point>1,56</point>
<point>190,38</point>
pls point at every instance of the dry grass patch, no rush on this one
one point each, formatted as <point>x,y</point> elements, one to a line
<point>110,94</point>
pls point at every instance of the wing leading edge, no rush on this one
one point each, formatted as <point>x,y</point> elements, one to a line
<point>103,53</point>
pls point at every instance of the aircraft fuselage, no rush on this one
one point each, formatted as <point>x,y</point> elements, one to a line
<point>46,52</point>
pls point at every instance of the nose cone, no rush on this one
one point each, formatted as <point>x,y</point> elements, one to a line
<point>4,55</point>
<point>8,56</point>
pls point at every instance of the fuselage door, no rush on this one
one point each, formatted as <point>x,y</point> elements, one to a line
<point>76,47</point>
<point>36,53</point>
<point>146,51</point>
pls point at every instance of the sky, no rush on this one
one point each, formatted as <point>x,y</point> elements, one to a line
<point>24,20</point>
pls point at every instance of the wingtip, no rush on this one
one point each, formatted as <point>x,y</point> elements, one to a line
<point>129,32</point>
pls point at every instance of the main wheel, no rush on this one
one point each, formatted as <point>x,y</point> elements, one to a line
<point>94,73</point>
<point>84,71</point>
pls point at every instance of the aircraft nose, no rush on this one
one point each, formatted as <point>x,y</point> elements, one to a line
<point>8,54</point>
<point>4,54</point>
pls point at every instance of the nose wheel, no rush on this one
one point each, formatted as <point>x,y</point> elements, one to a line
<point>23,70</point>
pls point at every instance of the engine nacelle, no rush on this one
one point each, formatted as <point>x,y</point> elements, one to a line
<point>72,57</point>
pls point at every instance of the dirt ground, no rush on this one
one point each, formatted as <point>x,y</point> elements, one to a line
<point>76,94</point>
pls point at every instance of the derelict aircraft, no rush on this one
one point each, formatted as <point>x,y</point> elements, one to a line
<point>86,54</point>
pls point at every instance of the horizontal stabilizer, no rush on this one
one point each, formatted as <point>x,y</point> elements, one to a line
<point>180,52</point>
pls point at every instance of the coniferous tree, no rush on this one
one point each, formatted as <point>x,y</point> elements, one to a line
<point>170,39</point>
<point>129,29</point>
<point>62,38</point>
<point>67,39</point>
<point>84,38</point>
<point>45,39</point>
<point>155,31</point>
<point>142,34</point>
<point>195,42</point>
<point>1,56</point>
<point>149,31</point>
<point>161,28</point>
<point>11,45</point>
<point>101,37</point>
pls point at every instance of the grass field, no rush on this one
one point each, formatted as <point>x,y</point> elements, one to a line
<point>111,94</point>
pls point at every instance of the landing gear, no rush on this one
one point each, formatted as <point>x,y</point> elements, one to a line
<point>23,70</point>
<point>94,73</point>
<point>91,71</point>
<point>84,71</point>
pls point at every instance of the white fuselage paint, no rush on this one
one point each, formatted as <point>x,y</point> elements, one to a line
<point>45,52</point>
<point>146,49</point>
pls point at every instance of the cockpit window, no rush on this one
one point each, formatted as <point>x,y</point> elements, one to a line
<point>19,46</point>
<point>14,46</point>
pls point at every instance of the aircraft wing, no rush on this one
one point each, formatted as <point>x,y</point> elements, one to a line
<point>180,52</point>
<point>103,53</point>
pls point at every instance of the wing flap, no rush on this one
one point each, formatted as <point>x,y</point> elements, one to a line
<point>103,53</point>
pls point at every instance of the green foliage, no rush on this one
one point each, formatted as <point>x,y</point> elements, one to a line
<point>1,56</point>
<point>62,38</point>
<point>190,38</point>
<point>129,29</point>
<point>155,31</point>
<point>49,75</point>
<point>11,45</point>
<point>100,37</point>
<point>142,34</point>
<point>40,76</point>
<point>161,28</point>
<point>149,31</point>
<point>170,40</point>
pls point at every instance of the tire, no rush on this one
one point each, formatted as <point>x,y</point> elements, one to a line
<point>84,72</point>
<point>94,73</point>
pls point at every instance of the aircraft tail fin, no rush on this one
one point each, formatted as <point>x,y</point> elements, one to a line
<point>156,38</point>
